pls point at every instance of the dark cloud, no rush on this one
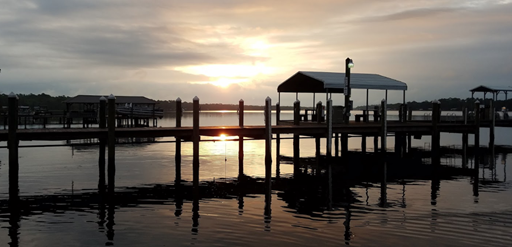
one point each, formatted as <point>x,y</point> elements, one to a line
<point>441,48</point>
<point>420,13</point>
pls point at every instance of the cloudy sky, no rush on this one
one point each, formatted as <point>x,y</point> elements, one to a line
<point>226,50</point>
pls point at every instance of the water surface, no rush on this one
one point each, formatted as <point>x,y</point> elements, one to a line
<point>63,208</point>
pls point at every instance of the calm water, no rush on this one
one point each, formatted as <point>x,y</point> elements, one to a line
<point>59,185</point>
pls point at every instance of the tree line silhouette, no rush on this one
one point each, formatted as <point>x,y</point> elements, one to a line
<point>454,104</point>
<point>57,103</point>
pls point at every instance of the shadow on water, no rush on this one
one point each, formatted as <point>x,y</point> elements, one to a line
<point>306,194</point>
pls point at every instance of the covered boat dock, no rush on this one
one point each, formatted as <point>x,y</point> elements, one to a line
<point>332,82</point>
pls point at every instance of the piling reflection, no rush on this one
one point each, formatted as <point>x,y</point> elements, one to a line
<point>348,216</point>
<point>307,194</point>
<point>110,219</point>
<point>476,177</point>
<point>240,203</point>
<point>195,216</point>
<point>102,211</point>
<point>178,201</point>
<point>504,163</point>
<point>267,215</point>
<point>435,184</point>
<point>403,205</point>
<point>14,223</point>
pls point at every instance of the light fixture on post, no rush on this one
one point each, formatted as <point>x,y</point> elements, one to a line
<point>348,104</point>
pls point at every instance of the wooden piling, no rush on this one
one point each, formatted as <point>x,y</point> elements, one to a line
<point>363,143</point>
<point>195,139</point>
<point>384,133</point>
<point>436,136</point>
<point>477,126</point>
<point>177,155</point>
<point>465,138</point>
<point>492,116</point>
<point>13,148</point>
<point>268,149</point>
<point>376,143</point>
<point>398,147</point>
<point>344,144</point>
<point>328,149</point>
<point>317,156</point>
<point>101,161</point>
<point>241,139</point>
<point>477,148</point>
<point>278,143</point>
<point>336,144</point>
<point>296,140</point>
<point>319,111</point>
<point>111,143</point>
<point>403,135</point>
<point>409,136</point>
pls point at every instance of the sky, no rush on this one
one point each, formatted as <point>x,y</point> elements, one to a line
<point>226,50</point>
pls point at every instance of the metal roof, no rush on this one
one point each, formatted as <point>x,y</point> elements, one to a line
<point>482,88</point>
<point>321,82</point>
<point>95,99</point>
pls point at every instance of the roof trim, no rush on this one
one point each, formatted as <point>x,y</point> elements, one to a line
<point>483,88</point>
<point>95,99</point>
<point>332,82</point>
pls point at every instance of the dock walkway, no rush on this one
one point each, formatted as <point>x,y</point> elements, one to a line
<point>257,132</point>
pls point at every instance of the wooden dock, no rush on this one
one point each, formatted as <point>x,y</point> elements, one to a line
<point>403,130</point>
<point>257,132</point>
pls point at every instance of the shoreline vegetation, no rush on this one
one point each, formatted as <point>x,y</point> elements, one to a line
<point>56,103</point>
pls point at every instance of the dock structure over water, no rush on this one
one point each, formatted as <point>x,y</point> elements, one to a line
<point>131,111</point>
<point>380,128</point>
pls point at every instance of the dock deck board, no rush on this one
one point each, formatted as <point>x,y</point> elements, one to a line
<point>310,129</point>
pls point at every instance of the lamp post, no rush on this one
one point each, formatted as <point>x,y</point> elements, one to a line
<point>348,65</point>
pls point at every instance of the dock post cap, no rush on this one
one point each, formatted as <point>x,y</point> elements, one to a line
<point>196,98</point>
<point>178,99</point>
<point>111,96</point>
<point>296,101</point>
<point>319,102</point>
<point>241,100</point>
<point>436,102</point>
<point>383,100</point>
<point>102,98</point>
<point>267,99</point>
<point>12,95</point>
<point>477,102</point>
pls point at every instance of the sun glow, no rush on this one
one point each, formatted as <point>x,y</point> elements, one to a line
<point>225,74</point>
<point>224,137</point>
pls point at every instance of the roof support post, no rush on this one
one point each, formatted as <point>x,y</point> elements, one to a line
<point>367,97</point>
<point>404,98</point>
<point>314,94</point>
<point>347,89</point>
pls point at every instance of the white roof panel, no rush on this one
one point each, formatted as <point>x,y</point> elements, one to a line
<point>315,82</point>
<point>357,80</point>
